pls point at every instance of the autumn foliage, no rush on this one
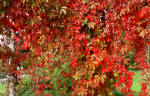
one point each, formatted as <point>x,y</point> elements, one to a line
<point>78,47</point>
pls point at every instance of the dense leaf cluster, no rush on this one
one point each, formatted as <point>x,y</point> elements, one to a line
<point>77,47</point>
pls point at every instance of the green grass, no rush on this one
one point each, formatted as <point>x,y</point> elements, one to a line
<point>136,85</point>
<point>2,89</point>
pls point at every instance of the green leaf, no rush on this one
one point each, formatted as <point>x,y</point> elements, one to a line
<point>115,74</point>
<point>6,3</point>
<point>2,12</point>
<point>23,1</point>
<point>85,21</point>
<point>102,78</point>
<point>80,56</point>
<point>123,32</point>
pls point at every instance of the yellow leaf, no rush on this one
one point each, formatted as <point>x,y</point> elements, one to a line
<point>91,25</point>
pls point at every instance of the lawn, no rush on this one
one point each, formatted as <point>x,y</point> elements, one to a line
<point>2,89</point>
<point>136,79</point>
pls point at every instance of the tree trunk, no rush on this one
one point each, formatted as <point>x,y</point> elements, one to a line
<point>11,79</point>
<point>10,87</point>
